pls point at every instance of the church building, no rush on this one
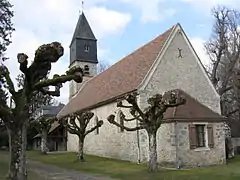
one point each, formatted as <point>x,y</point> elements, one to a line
<point>190,135</point>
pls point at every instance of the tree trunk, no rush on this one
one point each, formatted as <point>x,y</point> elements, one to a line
<point>44,147</point>
<point>14,153</point>
<point>152,164</point>
<point>23,160</point>
<point>80,149</point>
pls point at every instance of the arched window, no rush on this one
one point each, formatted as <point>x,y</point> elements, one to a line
<point>86,69</point>
<point>96,122</point>
<point>86,48</point>
<point>120,120</point>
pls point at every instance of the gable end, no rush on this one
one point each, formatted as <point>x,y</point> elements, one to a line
<point>176,29</point>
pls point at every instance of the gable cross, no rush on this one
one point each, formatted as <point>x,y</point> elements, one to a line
<point>180,53</point>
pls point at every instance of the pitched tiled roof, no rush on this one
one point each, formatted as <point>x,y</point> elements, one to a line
<point>192,110</point>
<point>123,77</point>
<point>54,126</point>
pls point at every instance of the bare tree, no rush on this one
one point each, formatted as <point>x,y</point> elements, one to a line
<point>37,100</point>
<point>77,124</point>
<point>35,81</point>
<point>6,26</point>
<point>224,51</point>
<point>43,125</point>
<point>102,66</point>
<point>149,119</point>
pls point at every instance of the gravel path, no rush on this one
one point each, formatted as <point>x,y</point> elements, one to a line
<point>50,172</point>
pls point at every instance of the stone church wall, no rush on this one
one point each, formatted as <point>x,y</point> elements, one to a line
<point>181,73</point>
<point>171,73</point>
<point>201,156</point>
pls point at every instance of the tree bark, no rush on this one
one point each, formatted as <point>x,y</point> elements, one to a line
<point>152,164</point>
<point>23,160</point>
<point>80,149</point>
<point>14,153</point>
<point>44,147</point>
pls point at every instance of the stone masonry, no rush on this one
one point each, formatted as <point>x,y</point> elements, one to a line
<point>173,139</point>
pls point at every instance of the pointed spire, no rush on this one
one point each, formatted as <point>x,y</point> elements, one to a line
<point>83,29</point>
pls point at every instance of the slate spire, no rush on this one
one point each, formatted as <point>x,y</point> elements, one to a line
<point>83,46</point>
<point>83,29</point>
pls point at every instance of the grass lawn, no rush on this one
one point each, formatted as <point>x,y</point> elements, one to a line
<point>4,168</point>
<point>129,171</point>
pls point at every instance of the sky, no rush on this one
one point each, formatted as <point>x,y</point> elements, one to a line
<point>121,26</point>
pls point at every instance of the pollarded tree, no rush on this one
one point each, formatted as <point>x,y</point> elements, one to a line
<point>37,100</point>
<point>35,81</point>
<point>149,119</point>
<point>77,124</point>
<point>43,125</point>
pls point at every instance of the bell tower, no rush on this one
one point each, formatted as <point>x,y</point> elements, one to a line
<point>83,53</point>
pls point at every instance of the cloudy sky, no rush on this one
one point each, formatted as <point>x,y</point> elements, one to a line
<point>120,26</point>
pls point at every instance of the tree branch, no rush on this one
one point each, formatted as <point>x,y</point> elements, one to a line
<point>224,90</point>
<point>74,73</point>
<point>232,112</point>
<point>56,92</point>
<point>6,74</point>
<point>100,123</point>
<point>72,130</point>
<point>112,121</point>
<point>132,99</point>
<point>128,120</point>
<point>73,123</point>
<point>120,104</point>
<point>22,60</point>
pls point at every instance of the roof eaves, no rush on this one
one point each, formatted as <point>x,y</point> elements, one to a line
<point>185,120</point>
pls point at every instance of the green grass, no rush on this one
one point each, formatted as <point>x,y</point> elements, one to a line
<point>130,171</point>
<point>4,168</point>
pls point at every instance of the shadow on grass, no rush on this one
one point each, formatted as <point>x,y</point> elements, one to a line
<point>4,167</point>
<point>130,171</point>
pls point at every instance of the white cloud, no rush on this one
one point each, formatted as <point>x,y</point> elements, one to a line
<point>206,5</point>
<point>110,22</point>
<point>42,22</point>
<point>198,45</point>
<point>151,10</point>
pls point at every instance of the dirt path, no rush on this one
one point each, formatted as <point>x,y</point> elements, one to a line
<point>50,172</point>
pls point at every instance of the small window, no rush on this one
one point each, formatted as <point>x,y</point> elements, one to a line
<point>96,122</point>
<point>86,48</point>
<point>200,131</point>
<point>86,69</point>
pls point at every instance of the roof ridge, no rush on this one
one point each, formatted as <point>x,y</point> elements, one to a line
<point>123,76</point>
<point>136,50</point>
<point>144,45</point>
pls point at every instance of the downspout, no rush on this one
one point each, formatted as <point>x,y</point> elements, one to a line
<point>138,143</point>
